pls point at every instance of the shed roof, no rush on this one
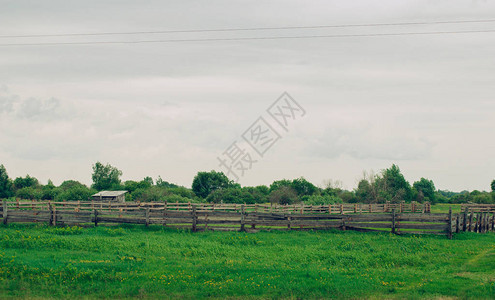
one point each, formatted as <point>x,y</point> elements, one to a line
<point>109,193</point>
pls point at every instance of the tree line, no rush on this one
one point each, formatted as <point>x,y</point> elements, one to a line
<point>389,185</point>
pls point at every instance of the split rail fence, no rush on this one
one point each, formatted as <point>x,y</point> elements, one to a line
<point>249,218</point>
<point>490,208</point>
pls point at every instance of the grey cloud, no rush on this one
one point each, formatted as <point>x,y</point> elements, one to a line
<point>172,107</point>
<point>364,143</point>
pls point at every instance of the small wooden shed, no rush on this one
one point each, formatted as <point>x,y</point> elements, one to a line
<point>113,196</point>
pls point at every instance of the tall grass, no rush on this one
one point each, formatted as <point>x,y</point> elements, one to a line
<point>134,261</point>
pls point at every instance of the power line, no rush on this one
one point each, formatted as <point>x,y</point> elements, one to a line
<point>246,29</point>
<point>251,38</point>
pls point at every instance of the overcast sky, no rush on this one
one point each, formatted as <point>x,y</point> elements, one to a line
<point>424,102</point>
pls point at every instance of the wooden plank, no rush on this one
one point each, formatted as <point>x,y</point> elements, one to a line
<point>369,225</point>
<point>422,217</point>
<point>423,226</point>
<point>450,223</point>
<point>373,217</point>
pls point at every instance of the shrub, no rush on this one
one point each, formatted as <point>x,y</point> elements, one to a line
<point>321,200</point>
<point>182,191</point>
<point>231,195</point>
<point>284,195</point>
<point>30,193</point>
<point>153,193</point>
<point>177,198</point>
<point>76,193</point>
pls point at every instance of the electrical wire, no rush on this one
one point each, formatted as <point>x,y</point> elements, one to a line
<point>250,38</point>
<point>247,29</point>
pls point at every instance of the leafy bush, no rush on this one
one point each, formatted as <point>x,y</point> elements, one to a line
<point>182,191</point>
<point>231,195</point>
<point>172,198</point>
<point>77,193</point>
<point>153,193</point>
<point>30,193</point>
<point>284,195</point>
<point>321,200</point>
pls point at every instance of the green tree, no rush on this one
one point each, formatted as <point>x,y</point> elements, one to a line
<point>148,180</point>
<point>25,182</point>
<point>5,183</point>
<point>280,183</point>
<point>392,186</point>
<point>363,192</point>
<point>493,185</point>
<point>303,187</point>
<point>425,190</point>
<point>206,182</point>
<point>105,176</point>
<point>163,183</point>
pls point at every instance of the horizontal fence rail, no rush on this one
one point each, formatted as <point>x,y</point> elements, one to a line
<point>240,217</point>
<point>478,207</point>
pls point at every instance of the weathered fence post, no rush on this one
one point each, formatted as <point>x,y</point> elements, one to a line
<point>471,222</point>
<point>476,222</point>
<point>253,225</point>
<point>302,211</point>
<point>194,218</point>
<point>458,223</point>
<point>54,215</point>
<point>96,217</point>
<point>50,209</point>
<point>165,214</point>
<point>393,220</point>
<point>343,221</point>
<point>243,211</point>
<point>450,222</point>
<point>485,227</point>
<point>147,216</point>
<point>5,214</point>
<point>483,222</point>
<point>488,223</point>
<point>464,225</point>
<point>206,221</point>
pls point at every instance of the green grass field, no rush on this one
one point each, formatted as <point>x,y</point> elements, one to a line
<point>134,261</point>
<point>444,208</point>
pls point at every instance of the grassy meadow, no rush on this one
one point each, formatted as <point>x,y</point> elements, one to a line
<point>155,262</point>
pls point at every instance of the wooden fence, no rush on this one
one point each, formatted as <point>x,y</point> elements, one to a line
<point>199,217</point>
<point>490,208</point>
<point>342,208</point>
